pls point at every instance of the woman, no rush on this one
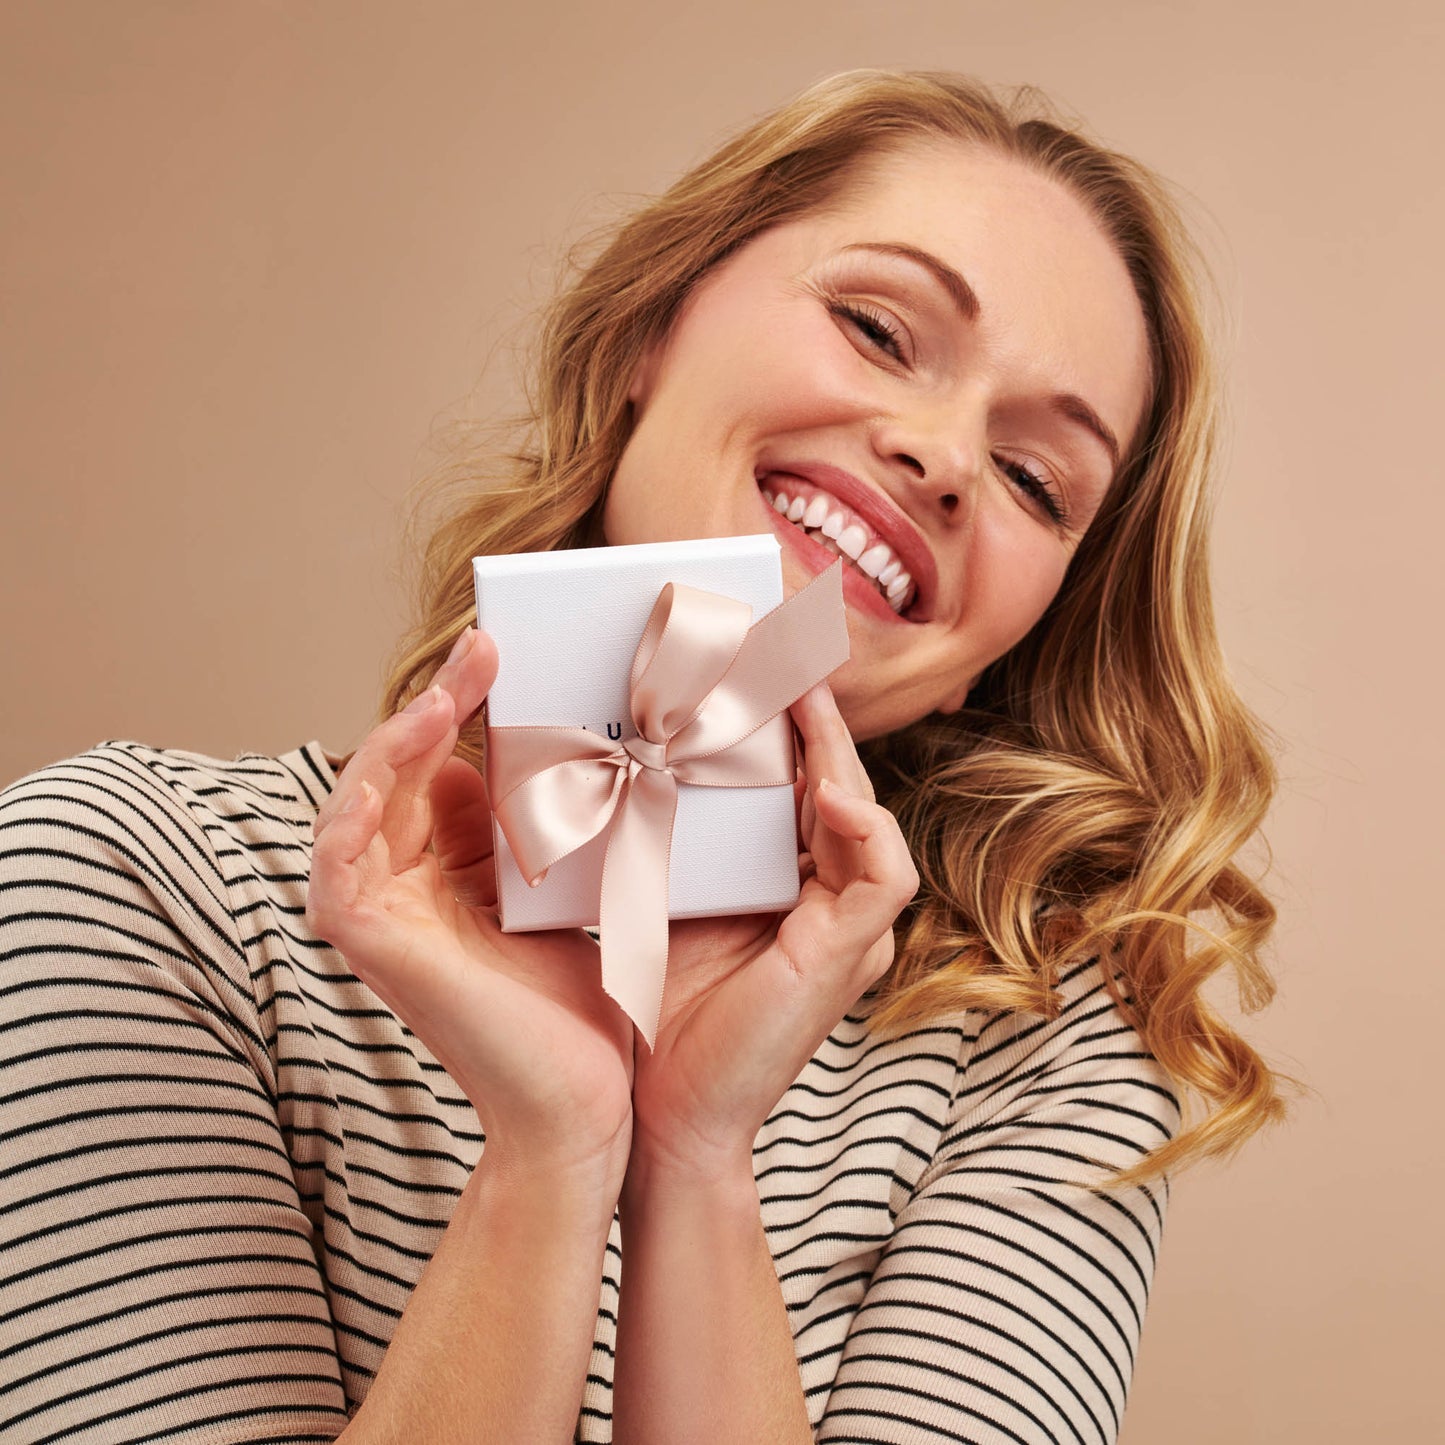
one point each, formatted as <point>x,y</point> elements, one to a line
<point>894,1170</point>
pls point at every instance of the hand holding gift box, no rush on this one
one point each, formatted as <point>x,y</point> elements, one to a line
<point>674,795</point>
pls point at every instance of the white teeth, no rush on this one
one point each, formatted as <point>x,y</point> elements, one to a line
<point>843,537</point>
<point>852,540</point>
<point>873,560</point>
<point>896,596</point>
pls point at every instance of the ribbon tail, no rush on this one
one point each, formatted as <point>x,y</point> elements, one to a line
<point>795,646</point>
<point>633,911</point>
<point>786,651</point>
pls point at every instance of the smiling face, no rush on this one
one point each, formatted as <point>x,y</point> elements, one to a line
<point>936,375</point>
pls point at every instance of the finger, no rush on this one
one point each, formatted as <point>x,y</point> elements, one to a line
<point>886,879</point>
<point>829,753</point>
<point>398,760</point>
<point>466,675</point>
<point>463,680</point>
<point>846,934</point>
<point>384,750</point>
<point>401,757</point>
<point>865,876</point>
<point>835,944</point>
<point>828,748</point>
<point>469,671</point>
<point>337,878</point>
<point>807,818</point>
<point>462,834</point>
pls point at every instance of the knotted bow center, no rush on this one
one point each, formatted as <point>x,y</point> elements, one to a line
<point>647,752</point>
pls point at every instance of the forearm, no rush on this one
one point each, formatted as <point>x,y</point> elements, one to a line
<point>495,1340</point>
<point>704,1348</point>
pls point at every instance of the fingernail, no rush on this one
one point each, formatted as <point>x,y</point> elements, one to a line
<point>360,796</point>
<point>424,702</point>
<point>460,646</point>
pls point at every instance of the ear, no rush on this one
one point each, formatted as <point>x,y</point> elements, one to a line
<point>644,375</point>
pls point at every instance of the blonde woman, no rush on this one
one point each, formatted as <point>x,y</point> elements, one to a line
<point>300,1146</point>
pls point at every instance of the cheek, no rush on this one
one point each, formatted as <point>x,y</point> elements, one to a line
<point>796,372</point>
<point>827,368</point>
<point>1015,570</point>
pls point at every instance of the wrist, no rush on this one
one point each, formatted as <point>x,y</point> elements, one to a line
<point>583,1184</point>
<point>718,1178</point>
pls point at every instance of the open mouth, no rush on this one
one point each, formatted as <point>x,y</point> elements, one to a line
<point>841,531</point>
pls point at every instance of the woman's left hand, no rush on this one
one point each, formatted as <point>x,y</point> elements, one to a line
<point>748,1000</point>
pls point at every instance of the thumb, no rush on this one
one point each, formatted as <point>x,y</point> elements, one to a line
<point>462,834</point>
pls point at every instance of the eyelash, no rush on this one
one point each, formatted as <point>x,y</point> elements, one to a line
<point>882,333</point>
<point>1037,488</point>
<point>879,330</point>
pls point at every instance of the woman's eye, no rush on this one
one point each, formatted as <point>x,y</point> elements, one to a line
<point>875,325</point>
<point>1036,487</point>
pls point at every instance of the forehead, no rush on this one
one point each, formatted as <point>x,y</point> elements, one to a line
<point>1057,306</point>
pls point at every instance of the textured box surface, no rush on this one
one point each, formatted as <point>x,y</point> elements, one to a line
<point>566,625</point>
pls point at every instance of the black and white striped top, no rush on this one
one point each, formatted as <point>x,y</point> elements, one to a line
<point>223,1163</point>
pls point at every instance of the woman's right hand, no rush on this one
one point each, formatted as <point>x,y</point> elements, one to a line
<point>403,883</point>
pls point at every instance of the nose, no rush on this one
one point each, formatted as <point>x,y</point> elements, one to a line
<point>939,448</point>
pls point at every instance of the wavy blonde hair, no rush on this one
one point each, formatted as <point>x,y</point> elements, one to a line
<point>1097,789</point>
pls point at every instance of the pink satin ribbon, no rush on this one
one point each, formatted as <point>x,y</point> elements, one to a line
<point>708,697</point>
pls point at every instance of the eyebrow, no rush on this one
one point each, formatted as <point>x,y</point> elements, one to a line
<point>959,291</point>
<point>1065,404</point>
<point>1076,409</point>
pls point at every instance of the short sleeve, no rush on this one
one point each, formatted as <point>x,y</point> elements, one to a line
<point>158,1275</point>
<point>1008,1304</point>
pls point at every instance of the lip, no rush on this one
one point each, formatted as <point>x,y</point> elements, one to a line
<point>882,515</point>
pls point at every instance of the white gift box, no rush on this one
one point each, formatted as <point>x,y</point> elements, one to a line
<point>567,625</point>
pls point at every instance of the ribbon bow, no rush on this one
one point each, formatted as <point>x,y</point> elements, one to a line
<point>708,695</point>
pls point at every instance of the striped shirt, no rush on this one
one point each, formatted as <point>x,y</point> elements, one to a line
<point>224,1163</point>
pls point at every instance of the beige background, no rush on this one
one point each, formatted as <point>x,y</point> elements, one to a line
<point>253,251</point>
